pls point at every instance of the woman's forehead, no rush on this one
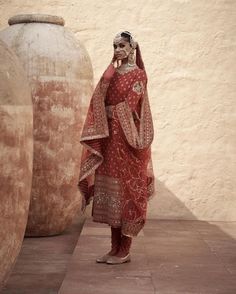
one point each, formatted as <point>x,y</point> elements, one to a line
<point>119,40</point>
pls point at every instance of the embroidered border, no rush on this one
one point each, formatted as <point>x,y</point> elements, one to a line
<point>107,200</point>
<point>132,229</point>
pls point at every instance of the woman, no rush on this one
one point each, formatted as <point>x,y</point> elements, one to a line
<point>116,165</point>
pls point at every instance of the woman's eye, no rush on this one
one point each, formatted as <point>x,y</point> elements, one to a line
<point>114,46</point>
<point>122,45</point>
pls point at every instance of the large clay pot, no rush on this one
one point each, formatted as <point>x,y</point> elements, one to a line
<point>61,78</point>
<point>16,152</point>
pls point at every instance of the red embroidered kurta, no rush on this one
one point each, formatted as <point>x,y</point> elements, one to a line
<point>120,155</point>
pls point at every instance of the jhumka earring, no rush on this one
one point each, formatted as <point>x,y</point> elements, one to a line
<point>131,58</point>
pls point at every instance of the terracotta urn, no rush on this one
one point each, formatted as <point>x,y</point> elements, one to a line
<point>16,153</point>
<point>61,79</point>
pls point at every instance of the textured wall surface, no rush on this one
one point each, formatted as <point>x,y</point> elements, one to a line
<point>189,49</point>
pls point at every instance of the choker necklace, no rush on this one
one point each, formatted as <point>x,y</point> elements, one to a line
<point>126,65</point>
<point>126,68</point>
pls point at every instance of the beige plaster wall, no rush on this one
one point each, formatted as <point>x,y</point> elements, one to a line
<point>189,49</point>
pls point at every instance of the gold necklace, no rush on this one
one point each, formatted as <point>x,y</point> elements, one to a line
<point>126,68</point>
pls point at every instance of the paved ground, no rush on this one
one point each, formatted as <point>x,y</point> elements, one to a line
<point>42,263</point>
<point>168,257</point>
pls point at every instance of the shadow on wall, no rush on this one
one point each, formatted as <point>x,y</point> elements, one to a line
<point>165,205</point>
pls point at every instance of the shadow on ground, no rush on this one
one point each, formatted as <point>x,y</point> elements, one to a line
<point>42,263</point>
<point>168,257</point>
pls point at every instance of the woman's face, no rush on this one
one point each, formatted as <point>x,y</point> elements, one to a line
<point>122,48</point>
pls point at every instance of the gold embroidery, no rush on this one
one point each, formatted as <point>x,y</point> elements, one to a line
<point>107,200</point>
<point>131,229</point>
<point>97,127</point>
<point>125,70</point>
<point>138,87</point>
<point>144,137</point>
<point>89,166</point>
<point>97,122</point>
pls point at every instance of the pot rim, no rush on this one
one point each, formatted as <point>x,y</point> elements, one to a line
<point>36,18</point>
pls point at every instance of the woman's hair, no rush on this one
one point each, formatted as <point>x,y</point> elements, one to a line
<point>126,35</point>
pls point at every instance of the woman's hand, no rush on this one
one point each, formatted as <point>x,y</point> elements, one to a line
<point>116,62</point>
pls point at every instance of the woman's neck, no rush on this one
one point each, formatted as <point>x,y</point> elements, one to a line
<point>124,61</point>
